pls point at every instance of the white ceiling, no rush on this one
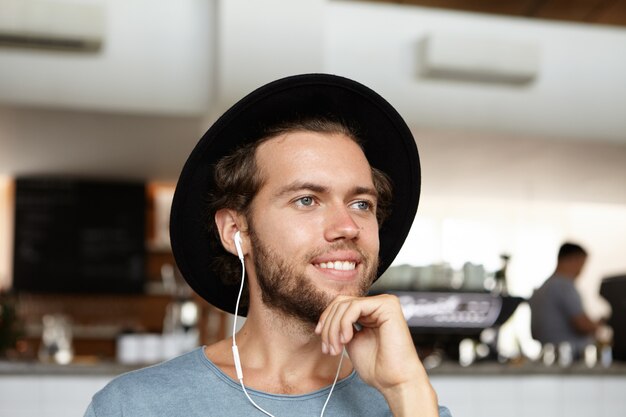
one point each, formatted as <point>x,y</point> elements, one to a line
<point>194,57</point>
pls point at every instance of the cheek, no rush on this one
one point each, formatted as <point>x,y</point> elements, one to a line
<point>374,243</point>
<point>283,233</point>
<point>370,234</point>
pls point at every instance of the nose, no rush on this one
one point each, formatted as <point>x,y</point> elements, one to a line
<point>341,225</point>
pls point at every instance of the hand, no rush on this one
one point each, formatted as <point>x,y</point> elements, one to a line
<point>382,353</point>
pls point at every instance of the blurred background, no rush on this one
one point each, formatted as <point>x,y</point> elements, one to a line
<point>519,113</point>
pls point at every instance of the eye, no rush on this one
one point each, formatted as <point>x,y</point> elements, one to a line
<point>362,205</point>
<point>305,201</point>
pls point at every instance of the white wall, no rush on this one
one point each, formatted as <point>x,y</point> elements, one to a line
<point>56,141</point>
<point>260,41</point>
<point>474,395</point>
<point>524,196</point>
<point>48,396</point>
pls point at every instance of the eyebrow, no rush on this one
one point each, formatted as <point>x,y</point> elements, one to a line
<point>317,188</point>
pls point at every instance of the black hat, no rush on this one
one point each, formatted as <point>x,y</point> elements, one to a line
<point>386,139</point>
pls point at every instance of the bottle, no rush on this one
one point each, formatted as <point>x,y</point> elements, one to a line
<point>500,276</point>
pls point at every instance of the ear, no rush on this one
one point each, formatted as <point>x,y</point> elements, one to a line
<point>228,223</point>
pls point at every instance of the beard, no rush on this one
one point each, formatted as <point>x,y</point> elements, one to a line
<point>285,287</point>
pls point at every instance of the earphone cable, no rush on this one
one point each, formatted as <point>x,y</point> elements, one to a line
<point>243,274</point>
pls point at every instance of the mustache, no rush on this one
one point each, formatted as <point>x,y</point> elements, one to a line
<point>337,246</point>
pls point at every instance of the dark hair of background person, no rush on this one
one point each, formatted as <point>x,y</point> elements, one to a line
<point>568,249</point>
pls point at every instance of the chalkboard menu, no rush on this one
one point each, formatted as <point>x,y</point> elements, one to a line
<point>79,236</point>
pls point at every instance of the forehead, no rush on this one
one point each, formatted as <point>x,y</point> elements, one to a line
<point>312,156</point>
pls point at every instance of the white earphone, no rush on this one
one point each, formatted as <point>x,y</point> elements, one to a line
<point>236,359</point>
<point>237,239</point>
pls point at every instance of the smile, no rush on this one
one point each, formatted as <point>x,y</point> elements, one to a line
<point>338,265</point>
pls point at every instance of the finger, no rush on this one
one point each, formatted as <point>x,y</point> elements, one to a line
<point>322,326</point>
<point>324,316</point>
<point>333,326</point>
<point>343,319</point>
<point>349,321</point>
<point>370,312</point>
<point>328,339</point>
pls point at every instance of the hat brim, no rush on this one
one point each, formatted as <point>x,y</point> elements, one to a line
<point>387,143</point>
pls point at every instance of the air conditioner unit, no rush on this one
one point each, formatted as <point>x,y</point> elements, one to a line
<point>52,24</point>
<point>483,59</point>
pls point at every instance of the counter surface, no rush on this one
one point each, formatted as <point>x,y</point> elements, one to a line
<point>447,368</point>
<point>526,368</point>
<point>91,369</point>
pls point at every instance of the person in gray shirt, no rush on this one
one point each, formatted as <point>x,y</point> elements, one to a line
<point>557,313</point>
<point>290,206</point>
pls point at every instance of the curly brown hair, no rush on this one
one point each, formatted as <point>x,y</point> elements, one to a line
<point>238,180</point>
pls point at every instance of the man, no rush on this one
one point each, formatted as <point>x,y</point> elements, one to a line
<point>557,313</point>
<point>311,183</point>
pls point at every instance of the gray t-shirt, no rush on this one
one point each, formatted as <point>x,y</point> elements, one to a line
<point>553,305</point>
<point>191,385</point>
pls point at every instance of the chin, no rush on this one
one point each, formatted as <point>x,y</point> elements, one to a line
<point>351,290</point>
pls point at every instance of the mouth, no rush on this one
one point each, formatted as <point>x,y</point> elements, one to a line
<point>337,265</point>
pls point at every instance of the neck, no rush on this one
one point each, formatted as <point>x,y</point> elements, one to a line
<point>279,355</point>
<point>565,272</point>
<point>279,344</point>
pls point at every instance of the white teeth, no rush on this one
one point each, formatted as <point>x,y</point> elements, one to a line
<point>338,265</point>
